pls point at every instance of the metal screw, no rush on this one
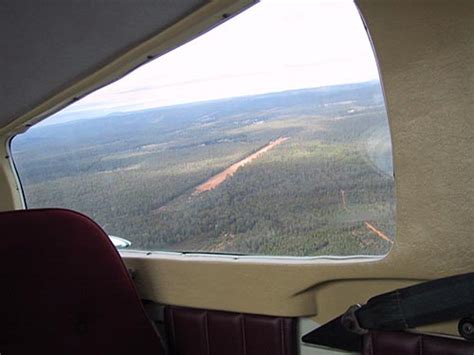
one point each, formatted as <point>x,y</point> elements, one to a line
<point>468,328</point>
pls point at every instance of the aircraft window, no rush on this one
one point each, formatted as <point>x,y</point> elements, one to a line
<point>267,135</point>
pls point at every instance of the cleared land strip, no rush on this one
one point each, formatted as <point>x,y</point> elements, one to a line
<point>369,226</point>
<point>219,178</point>
<point>378,233</point>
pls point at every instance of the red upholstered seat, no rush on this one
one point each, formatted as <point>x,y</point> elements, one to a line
<point>65,289</point>
<point>405,343</point>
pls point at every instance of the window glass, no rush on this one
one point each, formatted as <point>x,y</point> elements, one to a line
<point>267,135</point>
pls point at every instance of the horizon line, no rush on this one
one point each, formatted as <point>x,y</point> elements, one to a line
<point>166,106</point>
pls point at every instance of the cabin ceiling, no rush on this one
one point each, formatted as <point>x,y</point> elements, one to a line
<point>47,45</point>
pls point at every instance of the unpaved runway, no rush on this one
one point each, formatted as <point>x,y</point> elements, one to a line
<point>219,178</point>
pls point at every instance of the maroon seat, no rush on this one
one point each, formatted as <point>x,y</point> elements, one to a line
<point>405,343</point>
<point>65,289</point>
<point>204,332</point>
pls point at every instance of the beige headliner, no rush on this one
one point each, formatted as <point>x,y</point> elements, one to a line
<point>425,53</point>
<point>46,46</point>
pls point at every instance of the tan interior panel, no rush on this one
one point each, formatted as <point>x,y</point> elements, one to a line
<point>10,195</point>
<point>81,36</point>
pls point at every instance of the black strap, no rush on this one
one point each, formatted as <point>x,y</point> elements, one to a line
<point>425,303</point>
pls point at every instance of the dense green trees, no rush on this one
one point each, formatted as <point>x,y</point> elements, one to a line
<point>135,173</point>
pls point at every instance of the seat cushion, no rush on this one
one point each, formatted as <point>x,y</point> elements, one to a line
<point>404,343</point>
<point>65,289</point>
<point>205,332</point>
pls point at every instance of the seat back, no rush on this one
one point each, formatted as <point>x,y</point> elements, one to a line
<point>65,289</point>
<point>193,331</point>
<point>396,343</point>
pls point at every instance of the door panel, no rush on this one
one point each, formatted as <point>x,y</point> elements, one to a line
<point>394,343</point>
<point>202,332</point>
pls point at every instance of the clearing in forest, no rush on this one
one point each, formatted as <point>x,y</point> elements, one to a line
<point>377,232</point>
<point>219,178</point>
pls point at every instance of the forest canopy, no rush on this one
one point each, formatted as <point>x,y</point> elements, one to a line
<point>317,179</point>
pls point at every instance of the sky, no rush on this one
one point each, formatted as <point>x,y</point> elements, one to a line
<point>276,45</point>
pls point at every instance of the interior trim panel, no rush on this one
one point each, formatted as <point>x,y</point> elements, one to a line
<point>202,332</point>
<point>395,343</point>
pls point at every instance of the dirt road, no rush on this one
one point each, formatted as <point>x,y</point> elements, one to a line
<point>369,226</point>
<point>377,232</point>
<point>219,178</point>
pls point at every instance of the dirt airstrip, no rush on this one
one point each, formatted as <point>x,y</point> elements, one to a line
<point>219,178</point>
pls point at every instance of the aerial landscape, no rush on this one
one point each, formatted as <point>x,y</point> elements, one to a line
<point>297,173</point>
